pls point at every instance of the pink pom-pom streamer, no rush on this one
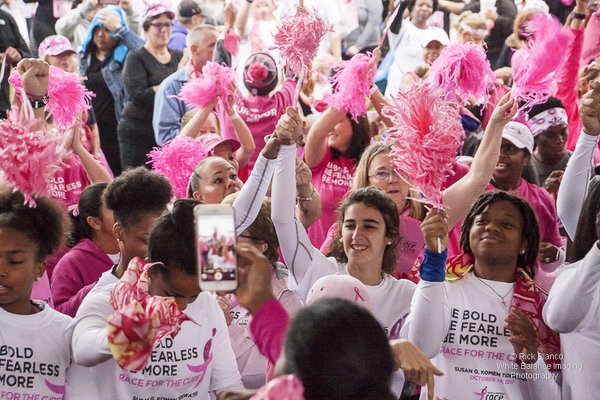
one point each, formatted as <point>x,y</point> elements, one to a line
<point>352,83</point>
<point>30,153</point>
<point>176,161</point>
<point>463,71</point>
<point>425,136</point>
<point>216,82</point>
<point>140,320</point>
<point>535,67</point>
<point>298,38</point>
<point>68,97</point>
<point>231,41</point>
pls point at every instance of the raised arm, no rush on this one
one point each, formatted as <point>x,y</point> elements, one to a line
<point>316,141</point>
<point>94,170</point>
<point>579,170</point>
<point>460,195</point>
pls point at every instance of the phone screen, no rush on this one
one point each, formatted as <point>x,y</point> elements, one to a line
<point>216,246</point>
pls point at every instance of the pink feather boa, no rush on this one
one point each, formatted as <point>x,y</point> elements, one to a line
<point>215,83</point>
<point>352,83</point>
<point>298,38</point>
<point>535,67</point>
<point>463,72</point>
<point>30,152</point>
<point>67,96</point>
<point>425,137</point>
<point>176,161</point>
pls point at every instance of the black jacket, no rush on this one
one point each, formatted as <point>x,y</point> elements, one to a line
<point>9,37</point>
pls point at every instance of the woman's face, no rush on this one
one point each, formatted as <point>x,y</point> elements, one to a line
<point>383,176</point>
<point>551,142</point>
<point>511,163</point>
<point>223,150</point>
<point>19,268</point>
<point>106,222</point>
<point>159,32</point>
<point>210,125</point>
<point>341,136</point>
<point>217,180</point>
<point>422,11</point>
<point>133,239</point>
<point>466,37</point>
<point>432,51</point>
<point>65,61</point>
<point>363,235</point>
<point>174,282</point>
<point>263,9</point>
<point>102,39</point>
<point>496,233</point>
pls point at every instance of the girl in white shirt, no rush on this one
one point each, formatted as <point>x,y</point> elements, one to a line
<point>34,339</point>
<point>197,361</point>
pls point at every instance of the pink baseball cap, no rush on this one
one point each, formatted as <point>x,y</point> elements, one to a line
<point>155,9</point>
<point>55,45</point>
<point>339,286</point>
<point>211,140</point>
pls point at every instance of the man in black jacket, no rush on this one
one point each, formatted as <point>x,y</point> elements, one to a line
<point>12,49</point>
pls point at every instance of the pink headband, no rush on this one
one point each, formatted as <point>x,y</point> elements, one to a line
<point>547,119</point>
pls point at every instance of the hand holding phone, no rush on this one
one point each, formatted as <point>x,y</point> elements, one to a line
<point>215,247</point>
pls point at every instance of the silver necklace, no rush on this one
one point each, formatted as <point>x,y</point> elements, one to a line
<point>494,290</point>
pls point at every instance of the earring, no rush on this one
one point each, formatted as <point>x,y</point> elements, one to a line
<point>522,252</point>
<point>389,242</point>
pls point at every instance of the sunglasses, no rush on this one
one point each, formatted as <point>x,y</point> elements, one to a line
<point>159,26</point>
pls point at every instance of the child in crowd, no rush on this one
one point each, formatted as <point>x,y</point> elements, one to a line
<point>35,340</point>
<point>94,251</point>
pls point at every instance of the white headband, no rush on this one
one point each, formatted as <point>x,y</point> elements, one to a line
<point>482,33</point>
<point>547,119</point>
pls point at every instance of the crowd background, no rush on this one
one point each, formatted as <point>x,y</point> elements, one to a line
<point>431,300</point>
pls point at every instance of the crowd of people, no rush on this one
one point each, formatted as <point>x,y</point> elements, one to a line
<point>350,286</point>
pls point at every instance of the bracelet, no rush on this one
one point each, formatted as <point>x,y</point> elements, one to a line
<point>577,15</point>
<point>39,102</point>
<point>233,117</point>
<point>373,89</point>
<point>312,196</point>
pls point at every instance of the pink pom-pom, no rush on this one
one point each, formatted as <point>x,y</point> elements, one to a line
<point>424,139</point>
<point>463,71</point>
<point>216,82</point>
<point>257,71</point>
<point>30,153</point>
<point>352,83</point>
<point>535,67</point>
<point>68,97</point>
<point>231,41</point>
<point>298,38</point>
<point>176,161</point>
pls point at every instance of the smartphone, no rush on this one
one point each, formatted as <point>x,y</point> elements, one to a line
<point>215,247</point>
<point>108,2</point>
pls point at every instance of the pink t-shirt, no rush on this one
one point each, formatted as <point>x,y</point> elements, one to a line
<point>332,178</point>
<point>261,114</point>
<point>69,181</point>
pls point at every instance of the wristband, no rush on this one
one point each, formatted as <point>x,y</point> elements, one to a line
<point>433,267</point>
<point>310,198</point>
<point>39,102</point>
<point>373,89</point>
<point>577,15</point>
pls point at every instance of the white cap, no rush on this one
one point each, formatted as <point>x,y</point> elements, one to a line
<point>519,135</point>
<point>435,34</point>
<point>536,5</point>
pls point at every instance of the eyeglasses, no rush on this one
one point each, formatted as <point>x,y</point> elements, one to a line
<point>510,149</point>
<point>384,175</point>
<point>160,25</point>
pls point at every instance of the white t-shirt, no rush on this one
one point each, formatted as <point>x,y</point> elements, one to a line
<point>35,353</point>
<point>476,356</point>
<point>408,53</point>
<point>198,360</point>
